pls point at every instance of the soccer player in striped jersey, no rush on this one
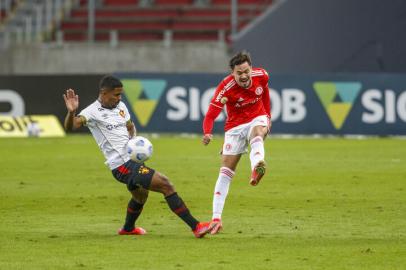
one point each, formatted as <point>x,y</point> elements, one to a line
<point>245,94</point>
<point>109,122</point>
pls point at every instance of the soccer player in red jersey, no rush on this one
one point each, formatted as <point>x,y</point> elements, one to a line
<point>245,93</point>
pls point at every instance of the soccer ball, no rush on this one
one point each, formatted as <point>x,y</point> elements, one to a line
<point>140,149</point>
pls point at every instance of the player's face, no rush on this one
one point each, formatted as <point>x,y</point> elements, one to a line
<point>242,75</point>
<point>110,99</point>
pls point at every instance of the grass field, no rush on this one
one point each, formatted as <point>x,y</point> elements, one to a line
<point>325,204</point>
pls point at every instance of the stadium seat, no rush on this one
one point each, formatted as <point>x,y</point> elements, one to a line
<point>150,19</point>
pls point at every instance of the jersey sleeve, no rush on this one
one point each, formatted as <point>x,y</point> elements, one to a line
<point>87,116</point>
<point>209,119</point>
<point>266,99</point>
<point>126,113</point>
<point>215,107</point>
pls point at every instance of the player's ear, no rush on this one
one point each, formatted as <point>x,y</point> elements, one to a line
<point>103,91</point>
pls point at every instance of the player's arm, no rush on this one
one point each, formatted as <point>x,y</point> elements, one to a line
<point>215,107</point>
<point>208,122</point>
<point>131,129</point>
<point>266,100</point>
<point>72,121</point>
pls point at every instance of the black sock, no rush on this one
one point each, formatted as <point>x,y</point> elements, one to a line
<point>133,212</point>
<point>179,208</point>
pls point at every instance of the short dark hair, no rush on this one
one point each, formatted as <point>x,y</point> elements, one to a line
<point>109,82</point>
<point>239,59</point>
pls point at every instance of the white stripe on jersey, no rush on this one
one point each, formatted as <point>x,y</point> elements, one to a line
<point>216,105</point>
<point>229,85</point>
<point>225,89</point>
<point>255,74</point>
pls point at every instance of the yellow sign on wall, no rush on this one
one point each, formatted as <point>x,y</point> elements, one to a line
<point>31,126</point>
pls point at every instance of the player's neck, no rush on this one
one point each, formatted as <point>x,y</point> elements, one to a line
<point>103,105</point>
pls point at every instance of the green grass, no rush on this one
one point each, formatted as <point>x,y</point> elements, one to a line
<point>324,204</point>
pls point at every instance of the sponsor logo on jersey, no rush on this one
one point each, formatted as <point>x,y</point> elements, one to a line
<point>246,103</point>
<point>143,96</point>
<point>226,88</point>
<point>240,99</point>
<point>337,99</point>
<point>111,127</point>
<point>220,95</point>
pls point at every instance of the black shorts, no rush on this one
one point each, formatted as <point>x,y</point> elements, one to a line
<point>134,175</point>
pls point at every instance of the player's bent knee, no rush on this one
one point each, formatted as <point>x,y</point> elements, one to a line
<point>167,186</point>
<point>140,195</point>
<point>161,183</point>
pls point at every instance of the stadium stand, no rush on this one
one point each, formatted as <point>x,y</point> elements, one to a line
<point>31,21</point>
<point>146,20</point>
<point>6,7</point>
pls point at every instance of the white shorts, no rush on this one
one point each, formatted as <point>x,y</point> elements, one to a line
<point>236,140</point>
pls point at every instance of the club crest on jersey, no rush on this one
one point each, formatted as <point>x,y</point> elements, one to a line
<point>259,90</point>
<point>122,113</point>
<point>143,170</point>
<point>223,100</point>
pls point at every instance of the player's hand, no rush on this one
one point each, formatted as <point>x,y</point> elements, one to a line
<point>71,100</point>
<point>207,138</point>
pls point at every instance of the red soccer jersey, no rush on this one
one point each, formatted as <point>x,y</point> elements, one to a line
<point>242,104</point>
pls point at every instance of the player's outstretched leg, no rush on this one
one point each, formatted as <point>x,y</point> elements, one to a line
<point>220,194</point>
<point>177,206</point>
<point>160,183</point>
<point>257,156</point>
<point>134,209</point>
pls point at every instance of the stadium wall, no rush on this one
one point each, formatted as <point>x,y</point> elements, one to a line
<point>328,36</point>
<point>338,104</point>
<point>83,58</point>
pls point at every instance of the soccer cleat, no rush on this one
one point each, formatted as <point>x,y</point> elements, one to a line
<point>217,226</point>
<point>257,173</point>
<point>202,229</point>
<point>136,230</point>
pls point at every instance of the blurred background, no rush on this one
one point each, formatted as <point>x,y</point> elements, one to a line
<point>336,66</point>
